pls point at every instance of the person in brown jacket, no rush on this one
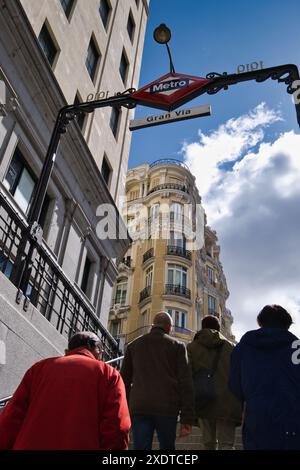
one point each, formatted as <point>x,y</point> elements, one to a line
<point>158,385</point>
<point>218,417</point>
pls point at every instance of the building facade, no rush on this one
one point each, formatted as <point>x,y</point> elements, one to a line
<point>55,53</point>
<point>163,269</point>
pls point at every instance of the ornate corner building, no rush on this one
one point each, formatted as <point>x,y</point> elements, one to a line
<point>163,269</point>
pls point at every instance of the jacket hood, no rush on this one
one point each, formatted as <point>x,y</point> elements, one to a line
<point>209,338</point>
<point>268,338</point>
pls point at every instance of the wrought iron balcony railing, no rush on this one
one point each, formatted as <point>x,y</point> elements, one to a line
<point>179,251</point>
<point>171,186</point>
<point>145,293</point>
<point>173,289</point>
<point>48,288</point>
<point>149,254</point>
<point>127,261</point>
<point>168,161</point>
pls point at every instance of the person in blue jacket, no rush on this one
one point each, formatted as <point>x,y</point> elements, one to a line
<point>265,376</point>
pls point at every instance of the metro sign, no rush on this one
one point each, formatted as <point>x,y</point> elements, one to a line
<point>170,91</point>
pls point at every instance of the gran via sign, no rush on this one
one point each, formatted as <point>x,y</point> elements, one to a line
<point>179,115</point>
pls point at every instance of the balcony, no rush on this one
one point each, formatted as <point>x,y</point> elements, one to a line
<point>168,161</point>
<point>127,261</point>
<point>171,186</point>
<point>173,289</point>
<point>148,255</point>
<point>145,293</point>
<point>179,251</point>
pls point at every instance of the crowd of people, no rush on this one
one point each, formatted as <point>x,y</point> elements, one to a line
<point>77,402</point>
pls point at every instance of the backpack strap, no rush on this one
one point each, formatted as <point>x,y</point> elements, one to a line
<point>216,360</point>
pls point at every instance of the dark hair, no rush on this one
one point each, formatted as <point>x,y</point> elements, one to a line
<point>83,339</point>
<point>274,316</point>
<point>211,322</point>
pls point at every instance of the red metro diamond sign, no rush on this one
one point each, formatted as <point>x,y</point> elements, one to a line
<point>170,91</point>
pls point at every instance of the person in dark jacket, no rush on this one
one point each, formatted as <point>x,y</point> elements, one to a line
<point>159,386</point>
<point>75,402</point>
<point>218,417</point>
<point>266,378</point>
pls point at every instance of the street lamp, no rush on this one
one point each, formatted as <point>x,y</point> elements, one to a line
<point>162,35</point>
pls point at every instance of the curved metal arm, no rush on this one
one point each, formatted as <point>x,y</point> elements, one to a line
<point>288,74</point>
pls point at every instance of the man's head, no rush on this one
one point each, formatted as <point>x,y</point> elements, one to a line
<point>86,339</point>
<point>163,320</point>
<point>274,316</point>
<point>210,322</point>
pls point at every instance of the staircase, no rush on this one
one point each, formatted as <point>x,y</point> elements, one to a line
<point>193,441</point>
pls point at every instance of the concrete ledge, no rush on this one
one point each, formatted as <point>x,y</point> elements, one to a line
<point>26,337</point>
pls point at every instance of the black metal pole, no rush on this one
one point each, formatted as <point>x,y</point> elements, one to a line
<point>172,69</point>
<point>42,185</point>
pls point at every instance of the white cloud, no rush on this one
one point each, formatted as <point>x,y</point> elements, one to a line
<point>255,208</point>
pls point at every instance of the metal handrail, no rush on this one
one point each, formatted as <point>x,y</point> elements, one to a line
<point>4,401</point>
<point>116,359</point>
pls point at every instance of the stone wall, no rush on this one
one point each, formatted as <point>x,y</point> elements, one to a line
<point>25,338</point>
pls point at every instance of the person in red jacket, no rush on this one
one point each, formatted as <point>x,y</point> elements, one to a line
<point>74,402</point>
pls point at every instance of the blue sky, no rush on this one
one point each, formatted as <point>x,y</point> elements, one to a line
<point>246,156</point>
<point>217,36</point>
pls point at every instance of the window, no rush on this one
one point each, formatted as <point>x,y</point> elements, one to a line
<point>123,69</point>
<point>81,116</point>
<point>130,26</point>
<point>144,318</point>
<point>47,44</point>
<point>149,276</point>
<point>121,292</point>
<point>210,275</point>
<point>104,10</point>
<point>114,120</point>
<point>177,275</point>
<point>154,182</point>
<point>20,182</point>
<point>179,317</point>
<point>211,305</point>
<point>115,328</point>
<point>176,210</point>
<point>106,170</point>
<point>134,195</point>
<point>154,212</point>
<point>178,240</point>
<point>86,275</point>
<point>67,6</point>
<point>92,58</point>
<point>6,266</point>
